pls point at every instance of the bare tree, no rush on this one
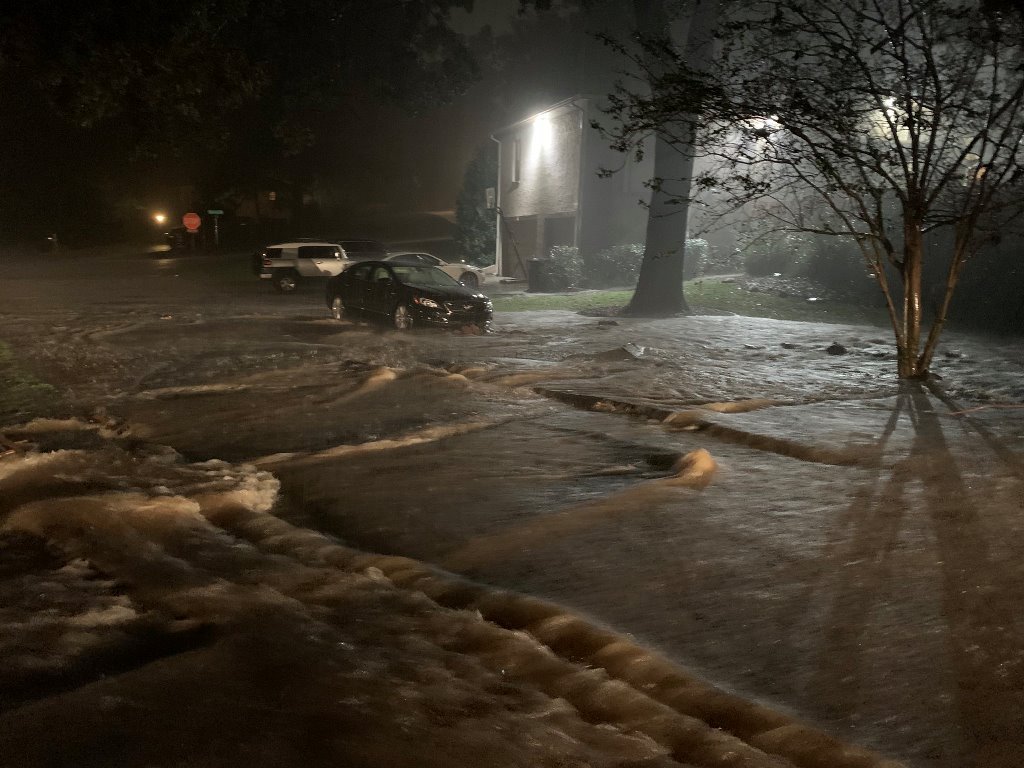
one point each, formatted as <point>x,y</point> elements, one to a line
<point>873,120</point>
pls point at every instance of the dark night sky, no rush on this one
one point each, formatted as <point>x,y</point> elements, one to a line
<point>416,162</point>
<point>380,157</point>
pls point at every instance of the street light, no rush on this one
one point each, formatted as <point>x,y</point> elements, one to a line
<point>160,218</point>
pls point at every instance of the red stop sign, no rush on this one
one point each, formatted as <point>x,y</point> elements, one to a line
<point>191,221</point>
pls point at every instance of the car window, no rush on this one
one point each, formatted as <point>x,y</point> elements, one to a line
<point>318,252</point>
<point>422,275</point>
<point>380,273</point>
<point>414,258</point>
<point>432,260</point>
<point>359,272</point>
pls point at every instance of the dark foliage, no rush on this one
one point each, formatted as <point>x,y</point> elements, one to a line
<point>474,222</point>
<point>221,93</point>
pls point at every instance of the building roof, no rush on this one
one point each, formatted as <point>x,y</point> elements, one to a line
<point>571,101</point>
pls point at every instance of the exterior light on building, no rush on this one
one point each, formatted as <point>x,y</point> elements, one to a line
<point>541,140</point>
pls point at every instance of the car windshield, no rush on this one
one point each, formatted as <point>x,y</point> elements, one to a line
<point>420,275</point>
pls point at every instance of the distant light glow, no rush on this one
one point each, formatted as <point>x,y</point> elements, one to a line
<point>160,218</point>
<point>763,127</point>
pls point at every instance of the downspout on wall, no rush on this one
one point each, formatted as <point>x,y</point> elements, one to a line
<point>581,111</point>
<point>499,266</point>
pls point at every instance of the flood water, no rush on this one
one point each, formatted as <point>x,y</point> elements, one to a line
<point>856,560</point>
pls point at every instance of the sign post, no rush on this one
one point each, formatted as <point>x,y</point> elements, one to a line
<point>216,213</point>
<point>192,223</point>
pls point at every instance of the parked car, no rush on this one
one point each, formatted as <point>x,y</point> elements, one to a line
<point>469,276</point>
<point>287,264</point>
<point>176,237</point>
<point>364,250</point>
<point>408,294</point>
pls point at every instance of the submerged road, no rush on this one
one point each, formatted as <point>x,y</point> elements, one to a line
<point>856,560</point>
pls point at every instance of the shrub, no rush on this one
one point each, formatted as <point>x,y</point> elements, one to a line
<point>614,267</point>
<point>565,268</point>
<point>619,265</point>
<point>761,263</point>
<point>722,262</point>
<point>696,260</point>
<point>779,252</point>
<point>838,265</point>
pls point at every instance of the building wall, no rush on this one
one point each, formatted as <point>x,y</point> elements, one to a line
<point>538,186</point>
<point>551,190</point>
<point>546,150</point>
<point>611,213</point>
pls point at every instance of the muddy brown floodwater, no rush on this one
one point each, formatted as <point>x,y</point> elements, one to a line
<point>857,560</point>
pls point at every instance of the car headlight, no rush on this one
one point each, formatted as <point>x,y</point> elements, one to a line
<point>425,302</point>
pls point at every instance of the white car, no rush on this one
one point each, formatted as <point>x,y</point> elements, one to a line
<point>286,264</point>
<point>468,275</point>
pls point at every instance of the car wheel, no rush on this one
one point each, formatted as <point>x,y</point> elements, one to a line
<point>337,308</point>
<point>402,318</point>
<point>286,282</point>
<point>470,280</point>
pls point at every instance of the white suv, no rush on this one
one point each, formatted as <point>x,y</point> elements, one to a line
<point>287,264</point>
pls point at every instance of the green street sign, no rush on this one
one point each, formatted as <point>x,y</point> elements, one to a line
<point>216,213</point>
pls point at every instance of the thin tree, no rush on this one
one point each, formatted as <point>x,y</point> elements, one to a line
<point>875,120</point>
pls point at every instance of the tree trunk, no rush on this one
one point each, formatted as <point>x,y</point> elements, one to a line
<point>659,289</point>
<point>909,340</point>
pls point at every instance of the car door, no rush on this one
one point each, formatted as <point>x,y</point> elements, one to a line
<point>380,294</point>
<point>354,285</point>
<point>335,260</point>
<point>319,260</point>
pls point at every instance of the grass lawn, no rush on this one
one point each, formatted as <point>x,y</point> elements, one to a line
<point>707,295</point>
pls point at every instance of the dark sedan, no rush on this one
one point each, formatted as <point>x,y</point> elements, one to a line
<point>408,294</point>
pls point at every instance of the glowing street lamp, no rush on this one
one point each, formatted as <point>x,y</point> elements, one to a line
<point>160,218</point>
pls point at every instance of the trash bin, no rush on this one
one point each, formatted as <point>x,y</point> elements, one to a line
<point>539,277</point>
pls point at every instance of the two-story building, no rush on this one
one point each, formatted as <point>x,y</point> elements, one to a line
<point>550,192</point>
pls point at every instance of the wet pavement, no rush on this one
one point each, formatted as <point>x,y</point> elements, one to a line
<point>855,562</point>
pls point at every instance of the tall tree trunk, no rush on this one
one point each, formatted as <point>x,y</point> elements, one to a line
<point>659,289</point>
<point>913,244</point>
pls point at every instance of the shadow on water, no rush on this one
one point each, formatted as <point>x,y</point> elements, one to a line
<point>924,554</point>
